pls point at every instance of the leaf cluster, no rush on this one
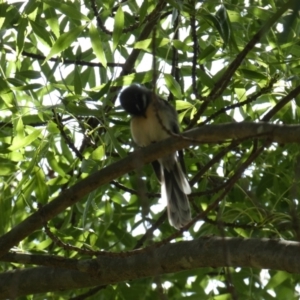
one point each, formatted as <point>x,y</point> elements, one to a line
<point>62,65</point>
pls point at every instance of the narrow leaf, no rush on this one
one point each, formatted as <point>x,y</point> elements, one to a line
<point>98,153</point>
<point>19,143</point>
<point>224,25</point>
<point>77,81</point>
<point>97,45</point>
<point>173,86</point>
<point>68,9</point>
<point>41,189</point>
<point>64,41</point>
<point>4,88</point>
<point>118,28</point>
<point>21,35</point>
<point>51,19</point>
<point>41,32</point>
<point>180,105</point>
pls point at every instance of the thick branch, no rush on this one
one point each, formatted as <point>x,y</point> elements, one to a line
<point>205,134</point>
<point>169,258</point>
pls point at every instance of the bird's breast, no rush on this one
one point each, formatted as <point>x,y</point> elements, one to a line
<point>147,129</point>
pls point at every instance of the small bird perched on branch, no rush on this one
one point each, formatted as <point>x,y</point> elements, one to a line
<point>154,119</point>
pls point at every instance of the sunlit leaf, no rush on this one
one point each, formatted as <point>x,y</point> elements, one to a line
<point>118,27</point>
<point>173,86</point>
<point>64,41</point>
<point>41,32</point>
<point>21,34</point>
<point>97,45</point>
<point>183,105</point>
<point>67,8</point>
<point>24,141</point>
<point>41,189</point>
<point>7,168</point>
<point>98,153</point>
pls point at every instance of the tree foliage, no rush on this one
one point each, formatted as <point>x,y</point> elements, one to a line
<point>82,214</point>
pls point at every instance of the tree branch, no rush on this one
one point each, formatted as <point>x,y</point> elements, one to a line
<point>290,96</point>
<point>169,258</point>
<point>67,61</point>
<point>205,134</point>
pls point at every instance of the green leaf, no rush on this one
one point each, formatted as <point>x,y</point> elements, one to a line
<point>123,236</point>
<point>180,105</point>
<point>54,164</point>
<point>29,74</point>
<point>252,74</point>
<point>64,41</point>
<point>277,279</point>
<point>4,88</point>
<point>109,213</point>
<point>31,6</point>
<point>115,143</point>
<point>224,25</point>
<point>51,19</point>
<point>27,87</point>
<point>206,79</point>
<point>22,27</point>
<point>173,86</point>
<point>97,45</point>
<point>41,189</point>
<point>147,44</point>
<point>180,45</point>
<point>18,127</point>
<point>22,142</point>
<point>41,32</point>
<point>98,153</point>
<point>241,93</point>
<point>89,203</point>
<point>141,77</point>
<point>89,166</point>
<point>67,8</point>
<point>43,244</point>
<point>79,108</point>
<point>118,28</point>
<point>77,81</point>
<point>7,168</point>
<point>143,10</point>
<point>6,210</point>
<point>207,53</point>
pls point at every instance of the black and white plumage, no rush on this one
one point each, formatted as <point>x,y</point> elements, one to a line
<point>143,105</point>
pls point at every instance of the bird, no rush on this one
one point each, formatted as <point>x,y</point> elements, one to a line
<point>153,119</point>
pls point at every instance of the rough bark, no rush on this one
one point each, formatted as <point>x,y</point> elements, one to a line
<point>169,258</point>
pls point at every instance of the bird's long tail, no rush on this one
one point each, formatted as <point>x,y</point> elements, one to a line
<point>174,188</point>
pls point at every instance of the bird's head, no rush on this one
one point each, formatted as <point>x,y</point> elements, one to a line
<point>135,99</point>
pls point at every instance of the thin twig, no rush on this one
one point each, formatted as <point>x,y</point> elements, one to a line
<point>98,19</point>
<point>71,61</point>
<point>293,94</point>
<point>249,99</point>
<point>68,141</point>
<point>195,54</point>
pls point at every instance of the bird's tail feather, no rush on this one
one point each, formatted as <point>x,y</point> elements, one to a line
<point>175,187</point>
